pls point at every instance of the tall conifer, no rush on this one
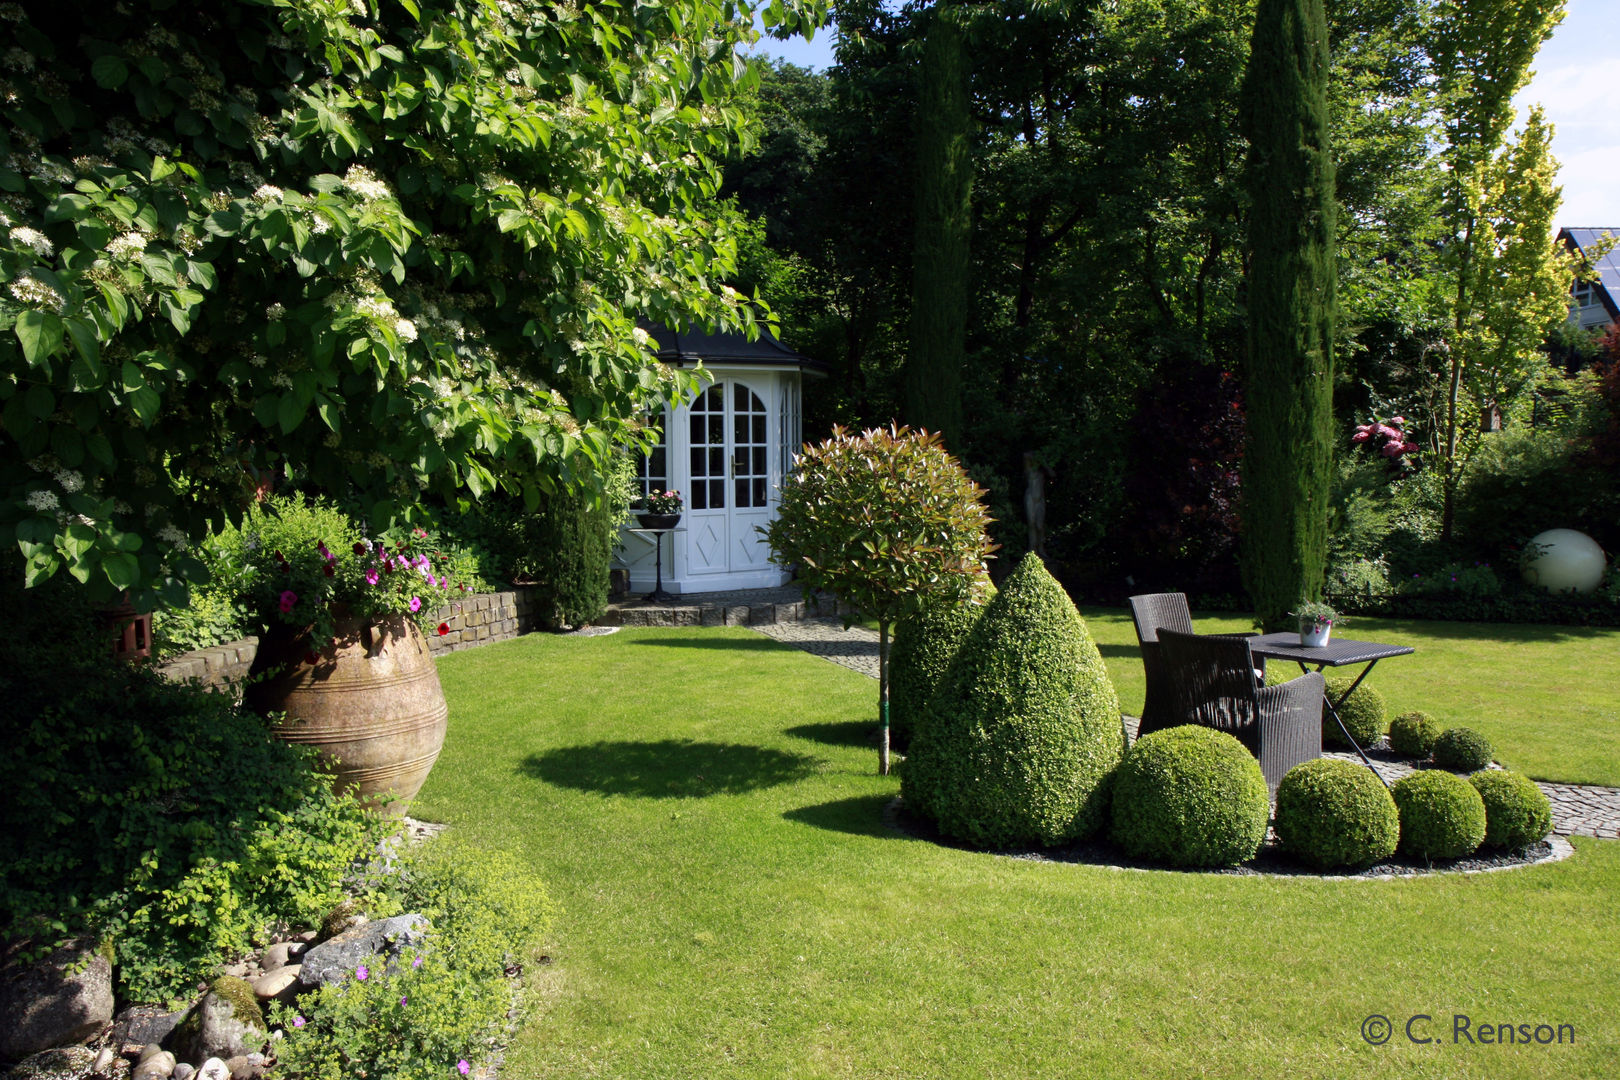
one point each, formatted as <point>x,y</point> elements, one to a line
<point>1288,460</point>
<point>933,380</point>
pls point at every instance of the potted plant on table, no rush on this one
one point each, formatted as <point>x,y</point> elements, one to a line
<point>1316,621</point>
<point>658,509</point>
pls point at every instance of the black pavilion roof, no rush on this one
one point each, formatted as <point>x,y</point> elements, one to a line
<point>686,347</point>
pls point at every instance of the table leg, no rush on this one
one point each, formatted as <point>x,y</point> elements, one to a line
<point>1333,711</point>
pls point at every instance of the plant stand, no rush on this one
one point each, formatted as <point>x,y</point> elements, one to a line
<point>658,592</point>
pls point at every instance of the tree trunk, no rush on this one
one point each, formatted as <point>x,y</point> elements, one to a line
<point>1287,467</point>
<point>883,697</point>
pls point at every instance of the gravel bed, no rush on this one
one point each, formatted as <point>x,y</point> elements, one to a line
<point>1270,862</point>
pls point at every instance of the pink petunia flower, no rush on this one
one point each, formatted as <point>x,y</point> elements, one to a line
<point>416,604</point>
<point>371,576</point>
<point>288,599</point>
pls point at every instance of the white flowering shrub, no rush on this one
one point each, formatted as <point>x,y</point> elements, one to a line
<point>391,248</point>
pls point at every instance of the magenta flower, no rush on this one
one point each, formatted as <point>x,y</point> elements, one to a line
<point>371,576</point>
<point>417,962</point>
<point>298,1021</point>
<point>1397,419</point>
<point>288,599</point>
<point>416,604</point>
<point>1359,437</point>
<point>462,1067</point>
<point>361,972</point>
<point>402,1001</point>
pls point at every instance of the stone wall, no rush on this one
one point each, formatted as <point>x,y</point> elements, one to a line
<point>476,620</point>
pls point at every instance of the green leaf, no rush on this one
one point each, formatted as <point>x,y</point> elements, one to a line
<point>40,333</point>
<point>290,413</point>
<point>41,402</point>
<point>122,569</point>
<point>146,403</point>
<point>109,71</point>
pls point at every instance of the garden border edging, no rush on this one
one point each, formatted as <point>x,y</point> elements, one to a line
<point>475,620</point>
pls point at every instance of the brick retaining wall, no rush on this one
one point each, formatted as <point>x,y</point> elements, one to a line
<point>475,620</point>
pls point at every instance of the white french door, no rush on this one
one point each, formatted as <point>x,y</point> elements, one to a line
<point>729,480</point>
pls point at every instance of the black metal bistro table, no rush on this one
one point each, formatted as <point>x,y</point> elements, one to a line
<point>1336,653</point>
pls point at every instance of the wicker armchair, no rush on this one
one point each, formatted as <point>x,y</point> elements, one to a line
<point>1214,684</point>
<point>1151,612</point>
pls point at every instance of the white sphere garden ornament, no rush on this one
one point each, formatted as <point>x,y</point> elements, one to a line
<point>1563,560</point>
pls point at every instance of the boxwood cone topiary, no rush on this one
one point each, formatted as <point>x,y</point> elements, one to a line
<point>1363,713</point>
<point>1025,731</point>
<point>1332,813</point>
<point>1517,812</point>
<point>1412,734</point>
<point>1442,816</point>
<point>1462,749</point>
<point>1190,796</point>
<point>925,643</point>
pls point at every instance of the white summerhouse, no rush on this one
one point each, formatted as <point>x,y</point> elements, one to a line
<point>726,452</point>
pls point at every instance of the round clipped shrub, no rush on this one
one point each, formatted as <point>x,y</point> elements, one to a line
<point>1462,749</point>
<point>1332,812</point>
<point>1024,730</point>
<point>1442,816</point>
<point>924,645</point>
<point>1517,812</point>
<point>1412,734</point>
<point>1190,796</point>
<point>1363,713</point>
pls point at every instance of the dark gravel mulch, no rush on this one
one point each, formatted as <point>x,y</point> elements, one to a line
<point>1270,861</point>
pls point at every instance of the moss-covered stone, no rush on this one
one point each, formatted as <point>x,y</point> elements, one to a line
<point>1024,731</point>
<point>924,645</point>
<point>244,1003</point>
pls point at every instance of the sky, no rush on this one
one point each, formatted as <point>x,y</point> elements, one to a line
<point>1577,81</point>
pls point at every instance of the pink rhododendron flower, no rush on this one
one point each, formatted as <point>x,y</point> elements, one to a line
<point>288,599</point>
<point>1391,449</point>
<point>1397,419</point>
<point>416,604</point>
<point>1409,448</point>
<point>1360,436</point>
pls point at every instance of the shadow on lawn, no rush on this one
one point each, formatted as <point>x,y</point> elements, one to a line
<point>840,733</point>
<point>861,815</point>
<point>751,644</point>
<point>668,769</point>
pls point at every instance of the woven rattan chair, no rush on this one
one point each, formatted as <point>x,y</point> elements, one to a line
<point>1213,683</point>
<point>1151,612</point>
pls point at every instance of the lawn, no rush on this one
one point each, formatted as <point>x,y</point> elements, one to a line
<point>703,805</point>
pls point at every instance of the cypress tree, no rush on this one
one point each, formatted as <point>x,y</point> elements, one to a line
<point>939,300</point>
<point>1288,459</point>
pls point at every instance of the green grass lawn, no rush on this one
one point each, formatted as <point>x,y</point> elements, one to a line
<point>1548,697</point>
<point>703,805</point>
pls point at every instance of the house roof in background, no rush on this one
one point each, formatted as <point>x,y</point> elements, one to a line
<point>1608,266</point>
<point>686,347</point>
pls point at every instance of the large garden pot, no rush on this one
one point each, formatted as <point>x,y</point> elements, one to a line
<point>370,702</point>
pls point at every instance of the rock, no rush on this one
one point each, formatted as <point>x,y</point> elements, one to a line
<point>144,1024</point>
<point>148,1052</point>
<point>240,1069</point>
<point>103,1059</point>
<point>225,1023</point>
<point>256,1060</point>
<point>118,1070</point>
<point>213,1069</point>
<point>237,970</point>
<point>158,1066</point>
<point>184,1071</point>
<point>306,937</point>
<point>66,1063</point>
<point>279,985</point>
<point>281,954</point>
<point>336,959</point>
<point>64,998</point>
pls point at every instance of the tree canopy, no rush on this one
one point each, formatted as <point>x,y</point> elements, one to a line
<point>391,246</point>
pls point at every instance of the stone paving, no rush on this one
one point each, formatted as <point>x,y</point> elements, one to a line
<point>740,607</point>
<point>1578,809</point>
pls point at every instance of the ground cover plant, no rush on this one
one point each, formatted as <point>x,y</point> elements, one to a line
<point>701,806</point>
<point>1543,695</point>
